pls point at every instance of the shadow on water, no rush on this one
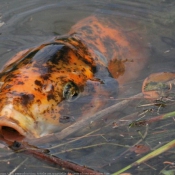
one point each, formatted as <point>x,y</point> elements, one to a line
<point>105,141</point>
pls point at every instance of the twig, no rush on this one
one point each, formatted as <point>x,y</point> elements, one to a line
<point>150,166</point>
<point>39,153</point>
<point>12,172</point>
<point>78,138</point>
<point>90,146</point>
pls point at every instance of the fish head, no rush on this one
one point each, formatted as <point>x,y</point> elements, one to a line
<point>44,87</point>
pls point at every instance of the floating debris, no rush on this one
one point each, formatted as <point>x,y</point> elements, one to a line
<point>140,149</point>
<point>138,123</point>
<point>158,85</point>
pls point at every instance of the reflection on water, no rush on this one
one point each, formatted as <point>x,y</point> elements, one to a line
<point>101,141</point>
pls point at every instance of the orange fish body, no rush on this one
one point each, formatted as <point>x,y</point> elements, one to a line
<point>41,86</point>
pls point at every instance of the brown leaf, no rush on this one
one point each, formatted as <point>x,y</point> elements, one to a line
<point>140,149</point>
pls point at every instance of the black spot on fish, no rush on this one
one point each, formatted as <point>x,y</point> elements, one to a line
<point>50,96</point>
<point>38,83</point>
<point>8,86</point>
<point>38,101</point>
<point>61,55</point>
<point>10,76</point>
<point>26,99</point>
<point>45,76</point>
<point>20,82</point>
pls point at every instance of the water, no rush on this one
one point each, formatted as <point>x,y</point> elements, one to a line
<point>29,23</point>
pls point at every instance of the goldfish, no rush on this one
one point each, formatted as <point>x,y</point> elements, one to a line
<point>71,76</point>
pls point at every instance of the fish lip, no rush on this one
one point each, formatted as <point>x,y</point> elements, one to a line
<point>11,124</point>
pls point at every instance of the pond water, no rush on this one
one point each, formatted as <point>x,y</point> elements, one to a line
<point>102,141</point>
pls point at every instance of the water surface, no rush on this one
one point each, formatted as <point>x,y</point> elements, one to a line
<point>29,23</point>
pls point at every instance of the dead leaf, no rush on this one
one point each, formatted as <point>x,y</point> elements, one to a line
<point>140,149</point>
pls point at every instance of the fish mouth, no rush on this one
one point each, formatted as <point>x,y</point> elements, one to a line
<point>10,131</point>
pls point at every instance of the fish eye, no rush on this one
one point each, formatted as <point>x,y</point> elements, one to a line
<point>71,91</point>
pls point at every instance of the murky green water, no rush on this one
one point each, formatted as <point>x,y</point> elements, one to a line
<point>25,24</point>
